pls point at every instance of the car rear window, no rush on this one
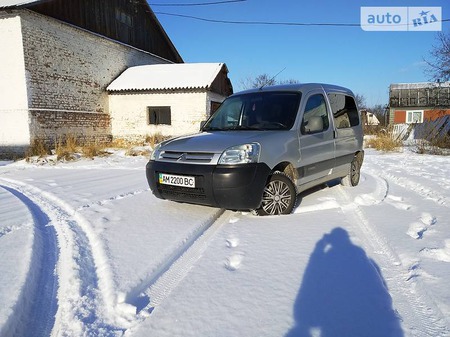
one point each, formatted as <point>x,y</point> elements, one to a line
<point>344,111</point>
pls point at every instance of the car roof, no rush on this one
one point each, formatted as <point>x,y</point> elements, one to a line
<point>300,87</point>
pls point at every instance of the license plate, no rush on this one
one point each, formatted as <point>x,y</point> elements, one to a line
<point>183,181</point>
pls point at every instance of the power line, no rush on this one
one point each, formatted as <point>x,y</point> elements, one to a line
<point>268,22</point>
<point>260,22</point>
<point>198,3</point>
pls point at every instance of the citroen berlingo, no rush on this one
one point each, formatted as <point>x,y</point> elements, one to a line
<point>261,148</point>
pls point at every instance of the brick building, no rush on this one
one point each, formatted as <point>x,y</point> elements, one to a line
<point>417,102</point>
<point>58,57</point>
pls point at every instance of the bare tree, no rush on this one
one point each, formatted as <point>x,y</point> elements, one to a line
<point>257,82</point>
<point>439,64</point>
<point>380,112</point>
<point>361,101</point>
<point>262,81</point>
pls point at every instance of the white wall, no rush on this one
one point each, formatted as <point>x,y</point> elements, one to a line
<point>70,68</point>
<point>13,94</point>
<point>129,113</point>
<point>53,79</point>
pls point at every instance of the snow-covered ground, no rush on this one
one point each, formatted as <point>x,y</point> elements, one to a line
<point>87,250</point>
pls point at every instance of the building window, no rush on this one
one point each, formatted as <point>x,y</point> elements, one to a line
<point>124,26</point>
<point>159,115</point>
<point>214,106</point>
<point>124,18</point>
<point>414,116</point>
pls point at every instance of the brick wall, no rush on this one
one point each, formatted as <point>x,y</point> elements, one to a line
<point>85,127</point>
<point>398,116</point>
<point>67,70</point>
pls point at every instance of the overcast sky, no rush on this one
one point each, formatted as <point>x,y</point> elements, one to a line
<point>344,54</point>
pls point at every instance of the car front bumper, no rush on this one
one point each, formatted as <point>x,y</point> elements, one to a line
<point>236,187</point>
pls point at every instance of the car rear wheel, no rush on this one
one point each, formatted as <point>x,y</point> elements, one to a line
<point>352,178</point>
<point>279,195</point>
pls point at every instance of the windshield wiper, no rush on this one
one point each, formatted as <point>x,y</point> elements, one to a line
<point>232,128</point>
<point>242,127</point>
<point>213,128</point>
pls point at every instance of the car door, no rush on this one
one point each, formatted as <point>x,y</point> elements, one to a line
<point>347,124</point>
<point>316,139</point>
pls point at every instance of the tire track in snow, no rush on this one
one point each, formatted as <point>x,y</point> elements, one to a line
<point>167,281</point>
<point>424,316</point>
<point>87,302</point>
<point>351,207</point>
<point>163,281</point>
<point>415,187</point>
<point>37,304</point>
<point>378,196</point>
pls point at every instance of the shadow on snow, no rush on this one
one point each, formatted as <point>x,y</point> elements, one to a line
<point>34,312</point>
<point>343,294</point>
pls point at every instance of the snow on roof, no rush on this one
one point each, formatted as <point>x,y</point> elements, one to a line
<point>167,76</point>
<point>14,3</point>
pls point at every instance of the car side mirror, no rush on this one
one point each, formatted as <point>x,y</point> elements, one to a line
<point>315,124</point>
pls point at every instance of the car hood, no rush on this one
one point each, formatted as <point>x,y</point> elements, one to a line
<point>215,142</point>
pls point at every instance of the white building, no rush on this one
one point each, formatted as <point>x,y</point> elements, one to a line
<point>56,59</point>
<point>372,119</point>
<point>169,99</point>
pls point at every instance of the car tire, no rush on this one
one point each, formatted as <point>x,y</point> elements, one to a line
<point>352,178</point>
<point>279,196</point>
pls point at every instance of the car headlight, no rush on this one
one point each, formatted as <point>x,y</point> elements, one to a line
<point>241,154</point>
<point>155,152</point>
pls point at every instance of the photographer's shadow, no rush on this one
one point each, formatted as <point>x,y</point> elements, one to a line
<point>343,294</point>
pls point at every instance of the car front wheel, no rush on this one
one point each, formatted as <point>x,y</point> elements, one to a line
<point>279,195</point>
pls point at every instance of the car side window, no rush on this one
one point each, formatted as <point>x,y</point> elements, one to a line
<point>344,109</point>
<point>315,117</point>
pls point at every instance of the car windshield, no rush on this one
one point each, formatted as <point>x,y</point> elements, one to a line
<point>256,111</point>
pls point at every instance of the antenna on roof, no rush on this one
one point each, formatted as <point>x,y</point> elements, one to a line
<point>270,80</point>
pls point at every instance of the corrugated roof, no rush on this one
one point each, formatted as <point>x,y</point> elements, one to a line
<point>15,3</point>
<point>167,76</point>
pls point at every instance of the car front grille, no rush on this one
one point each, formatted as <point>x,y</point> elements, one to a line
<point>182,193</point>
<point>187,157</point>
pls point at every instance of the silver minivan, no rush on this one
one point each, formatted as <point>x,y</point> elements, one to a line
<point>261,148</point>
